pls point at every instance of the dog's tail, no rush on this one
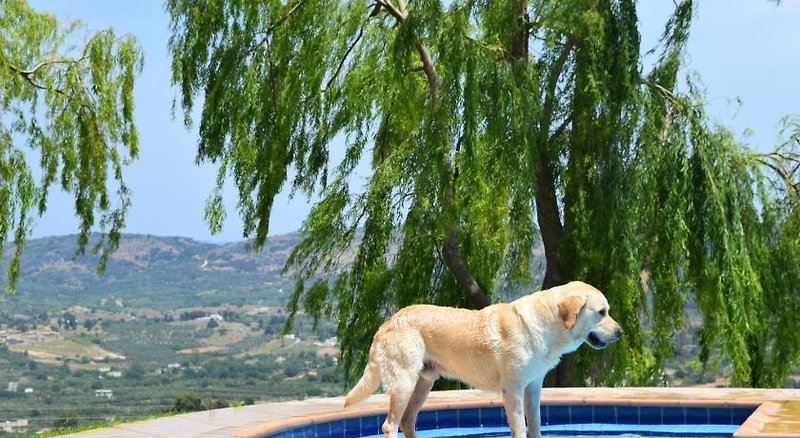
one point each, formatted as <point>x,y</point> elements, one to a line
<point>365,386</point>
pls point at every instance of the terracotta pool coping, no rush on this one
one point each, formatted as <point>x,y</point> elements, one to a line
<point>777,411</point>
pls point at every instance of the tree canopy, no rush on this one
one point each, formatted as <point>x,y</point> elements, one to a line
<point>490,126</point>
<point>66,120</point>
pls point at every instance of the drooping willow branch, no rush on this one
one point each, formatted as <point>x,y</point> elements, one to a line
<point>449,250</point>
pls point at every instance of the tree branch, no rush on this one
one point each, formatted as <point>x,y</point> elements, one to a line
<point>427,66</point>
<point>547,213</point>
<point>427,61</point>
<point>41,64</point>
<point>561,128</point>
<point>664,92</point>
<point>344,58</point>
<point>286,17</point>
<point>394,12</point>
<point>280,21</point>
<point>452,258</point>
<point>26,74</point>
<point>785,165</point>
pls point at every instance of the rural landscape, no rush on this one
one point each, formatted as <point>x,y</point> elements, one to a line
<point>177,325</point>
<point>173,325</point>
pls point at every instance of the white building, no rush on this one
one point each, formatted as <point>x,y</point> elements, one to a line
<point>107,393</point>
<point>15,426</point>
<point>215,316</point>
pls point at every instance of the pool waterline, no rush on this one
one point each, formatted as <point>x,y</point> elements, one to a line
<point>584,430</point>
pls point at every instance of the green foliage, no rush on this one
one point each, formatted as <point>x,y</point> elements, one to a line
<point>67,106</point>
<point>187,402</point>
<point>485,126</point>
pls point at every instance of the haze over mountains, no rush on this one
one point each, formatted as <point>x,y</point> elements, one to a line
<point>151,270</point>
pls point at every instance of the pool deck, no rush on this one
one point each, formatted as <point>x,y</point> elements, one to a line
<point>777,413</point>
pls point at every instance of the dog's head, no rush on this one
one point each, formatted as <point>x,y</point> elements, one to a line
<point>584,312</point>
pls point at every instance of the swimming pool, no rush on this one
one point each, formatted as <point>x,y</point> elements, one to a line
<point>557,421</point>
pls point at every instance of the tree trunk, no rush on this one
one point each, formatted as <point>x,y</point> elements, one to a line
<point>552,231</point>
<point>563,375</point>
<point>519,32</point>
<point>548,216</point>
<point>547,212</point>
<point>464,278</point>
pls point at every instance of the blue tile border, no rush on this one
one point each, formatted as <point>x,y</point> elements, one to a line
<point>427,420</point>
<point>676,415</point>
<point>552,415</point>
<point>337,429</point>
<point>651,415</point>
<point>469,417</point>
<point>493,416</point>
<point>581,414</point>
<point>447,416</point>
<point>698,415</point>
<point>607,412</point>
<point>739,415</point>
<point>371,425</point>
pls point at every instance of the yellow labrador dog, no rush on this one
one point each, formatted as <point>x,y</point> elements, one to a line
<point>507,347</point>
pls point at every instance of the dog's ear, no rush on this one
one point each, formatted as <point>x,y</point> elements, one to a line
<point>569,308</point>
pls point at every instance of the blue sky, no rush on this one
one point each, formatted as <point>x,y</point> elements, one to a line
<point>744,50</point>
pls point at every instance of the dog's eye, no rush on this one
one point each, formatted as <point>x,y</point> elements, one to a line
<point>602,312</point>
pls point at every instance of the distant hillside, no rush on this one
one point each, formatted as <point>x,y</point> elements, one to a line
<point>165,273</point>
<point>152,271</point>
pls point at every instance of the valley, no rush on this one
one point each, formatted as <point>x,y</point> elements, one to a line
<point>172,325</point>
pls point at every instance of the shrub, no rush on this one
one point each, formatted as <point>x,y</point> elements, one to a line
<point>187,401</point>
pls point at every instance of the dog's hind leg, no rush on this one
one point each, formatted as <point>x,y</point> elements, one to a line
<point>399,396</point>
<point>401,361</point>
<point>421,390</point>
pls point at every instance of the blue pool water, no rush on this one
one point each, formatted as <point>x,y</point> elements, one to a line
<point>593,430</point>
<point>557,421</point>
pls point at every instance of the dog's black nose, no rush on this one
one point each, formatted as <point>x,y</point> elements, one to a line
<point>619,332</point>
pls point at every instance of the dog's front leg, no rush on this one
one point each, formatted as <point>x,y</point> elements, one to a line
<point>533,395</point>
<point>512,400</point>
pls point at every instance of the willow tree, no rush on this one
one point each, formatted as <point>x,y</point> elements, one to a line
<point>66,120</point>
<point>488,125</point>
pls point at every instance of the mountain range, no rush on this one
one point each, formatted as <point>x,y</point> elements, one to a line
<point>153,271</point>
